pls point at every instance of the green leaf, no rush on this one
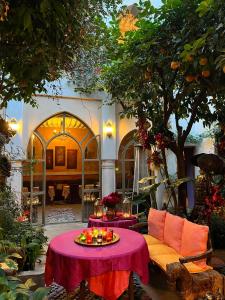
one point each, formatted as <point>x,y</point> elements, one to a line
<point>151,187</point>
<point>29,283</point>
<point>146,179</point>
<point>40,293</point>
<point>180,181</point>
<point>44,6</point>
<point>16,255</point>
<point>27,22</point>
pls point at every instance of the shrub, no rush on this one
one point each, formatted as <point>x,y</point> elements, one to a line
<point>217,231</point>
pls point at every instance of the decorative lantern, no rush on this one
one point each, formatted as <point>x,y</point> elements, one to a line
<point>98,208</point>
<point>127,207</point>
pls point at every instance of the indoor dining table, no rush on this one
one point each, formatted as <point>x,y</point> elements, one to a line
<point>107,269</point>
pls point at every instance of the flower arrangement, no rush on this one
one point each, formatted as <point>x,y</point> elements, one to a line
<point>214,202</point>
<point>155,159</point>
<point>111,200</point>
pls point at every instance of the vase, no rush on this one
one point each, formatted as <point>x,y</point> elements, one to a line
<point>110,213</point>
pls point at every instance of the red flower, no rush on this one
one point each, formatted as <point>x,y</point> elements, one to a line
<point>26,213</point>
<point>22,219</point>
<point>111,200</point>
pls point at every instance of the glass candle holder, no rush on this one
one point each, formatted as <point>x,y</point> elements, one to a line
<point>99,238</point>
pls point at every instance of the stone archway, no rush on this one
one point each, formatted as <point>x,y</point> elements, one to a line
<point>65,158</point>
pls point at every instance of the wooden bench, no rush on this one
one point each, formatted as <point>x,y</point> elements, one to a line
<point>182,249</point>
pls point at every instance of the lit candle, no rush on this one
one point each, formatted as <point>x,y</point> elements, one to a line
<point>126,215</point>
<point>99,238</point>
<point>89,239</point>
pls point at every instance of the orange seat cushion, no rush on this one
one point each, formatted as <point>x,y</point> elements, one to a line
<point>156,222</point>
<point>193,268</point>
<point>160,249</point>
<point>173,231</point>
<point>194,240</point>
<point>165,259</point>
<point>150,240</point>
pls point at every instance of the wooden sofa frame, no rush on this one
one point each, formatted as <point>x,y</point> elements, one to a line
<point>190,286</point>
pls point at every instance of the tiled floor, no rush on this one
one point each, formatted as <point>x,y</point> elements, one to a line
<point>61,213</point>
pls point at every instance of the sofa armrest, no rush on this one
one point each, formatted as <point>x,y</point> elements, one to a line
<point>187,259</point>
<point>140,225</point>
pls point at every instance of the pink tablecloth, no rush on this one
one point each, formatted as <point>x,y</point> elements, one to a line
<point>68,263</point>
<point>117,223</point>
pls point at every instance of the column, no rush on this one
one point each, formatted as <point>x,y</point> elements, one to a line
<point>108,177</point>
<point>16,179</point>
<point>108,152</point>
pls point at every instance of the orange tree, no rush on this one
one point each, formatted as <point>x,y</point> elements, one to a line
<point>39,39</point>
<point>169,70</point>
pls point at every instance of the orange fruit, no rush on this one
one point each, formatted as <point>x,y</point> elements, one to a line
<point>175,65</point>
<point>189,78</point>
<point>206,73</point>
<point>224,69</point>
<point>190,58</point>
<point>203,61</point>
<point>147,75</point>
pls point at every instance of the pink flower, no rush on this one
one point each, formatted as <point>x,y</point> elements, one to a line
<point>111,200</point>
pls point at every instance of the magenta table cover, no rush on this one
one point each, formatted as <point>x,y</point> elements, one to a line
<point>68,263</point>
<point>117,223</point>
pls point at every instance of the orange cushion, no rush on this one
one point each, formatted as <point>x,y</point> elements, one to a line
<point>193,268</point>
<point>156,221</point>
<point>194,240</point>
<point>150,240</point>
<point>173,231</point>
<point>160,249</point>
<point>165,259</point>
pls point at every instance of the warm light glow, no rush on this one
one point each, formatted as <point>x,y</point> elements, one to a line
<point>127,22</point>
<point>108,129</point>
<point>126,215</point>
<point>13,125</point>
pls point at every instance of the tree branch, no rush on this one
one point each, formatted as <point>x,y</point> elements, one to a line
<point>193,115</point>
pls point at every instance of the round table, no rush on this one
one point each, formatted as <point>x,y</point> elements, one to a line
<point>69,264</point>
<point>121,223</point>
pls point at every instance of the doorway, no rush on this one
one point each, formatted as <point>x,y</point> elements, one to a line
<point>61,178</point>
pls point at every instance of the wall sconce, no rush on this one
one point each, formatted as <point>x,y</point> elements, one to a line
<point>108,129</point>
<point>13,125</point>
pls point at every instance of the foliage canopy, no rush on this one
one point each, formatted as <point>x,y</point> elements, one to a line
<point>38,40</point>
<point>172,69</point>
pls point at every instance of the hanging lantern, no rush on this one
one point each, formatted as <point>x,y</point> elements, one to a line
<point>98,209</point>
<point>127,208</point>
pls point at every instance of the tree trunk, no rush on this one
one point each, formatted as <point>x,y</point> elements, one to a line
<point>181,173</point>
<point>173,194</point>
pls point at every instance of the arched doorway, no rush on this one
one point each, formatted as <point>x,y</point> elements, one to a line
<point>63,164</point>
<point>125,164</point>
